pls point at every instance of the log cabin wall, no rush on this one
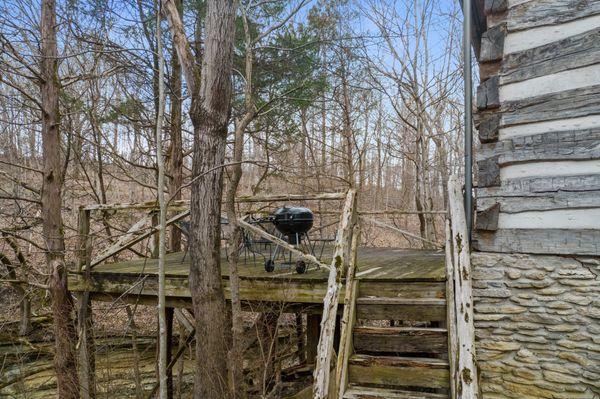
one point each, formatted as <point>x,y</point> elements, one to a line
<point>536,259</point>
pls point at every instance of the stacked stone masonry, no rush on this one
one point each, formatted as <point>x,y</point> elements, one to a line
<point>537,325</point>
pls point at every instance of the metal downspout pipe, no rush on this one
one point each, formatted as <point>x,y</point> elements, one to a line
<point>468,121</point>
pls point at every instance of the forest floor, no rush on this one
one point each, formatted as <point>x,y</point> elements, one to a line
<point>26,363</point>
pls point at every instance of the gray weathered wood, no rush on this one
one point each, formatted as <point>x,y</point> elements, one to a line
<point>540,241</point>
<point>346,339</point>
<point>451,310</point>
<point>489,128</point>
<point>348,319</point>
<point>409,290</point>
<point>400,339</point>
<point>549,146</point>
<point>331,300</point>
<point>495,6</point>
<point>562,105</point>
<point>399,371</point>
<point>424,309</point>
<point>467,370</point>
<point>488,94</point>
<point>515,203</point>
<point>487,219</point>
<point>543,185</point>
<point>531,14</point>
<point>489,172</point>
<point>363,392</point>
<point>573,52</point>
<point>492,44</point>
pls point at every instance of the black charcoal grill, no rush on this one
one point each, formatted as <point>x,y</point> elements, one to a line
<point>293,224</point>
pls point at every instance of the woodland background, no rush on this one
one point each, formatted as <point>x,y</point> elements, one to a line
<point>329,94</point>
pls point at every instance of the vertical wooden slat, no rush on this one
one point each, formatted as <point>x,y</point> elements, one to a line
<point>331,300</point>
<point>451,311</point>
<point>348,318</point>
<point>467,378</point>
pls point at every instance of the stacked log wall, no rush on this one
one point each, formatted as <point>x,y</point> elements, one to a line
<point>537,234</point>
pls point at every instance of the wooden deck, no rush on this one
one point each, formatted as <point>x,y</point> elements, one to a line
<point>410,273</point>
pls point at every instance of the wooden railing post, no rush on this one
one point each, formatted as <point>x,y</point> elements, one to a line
<point>348,318</point>
<point>85,345</point>
<point>331,300</point>
<point>450,310</point>
<point>466,369</point>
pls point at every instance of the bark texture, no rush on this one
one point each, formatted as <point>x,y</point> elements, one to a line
<point>210,113</point>
<point>62,303</point>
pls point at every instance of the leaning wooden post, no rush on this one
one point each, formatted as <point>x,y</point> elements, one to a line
<point>467,378</point>
<point>450,311</point>
<point>348,318</point>
<point>85,345</point>
<point>331,300</point>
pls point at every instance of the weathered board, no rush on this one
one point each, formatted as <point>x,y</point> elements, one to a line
<point>551,146</point>
<point>361,392</point>
<point>492,44</point>
<point>540,241</point>
<point>565,104</point>
<point>532,14</point>
<point>573,52</point>
<point>545,201</point>
<point>401,309</point>
<point>400,339</point>
<point>397,371</point>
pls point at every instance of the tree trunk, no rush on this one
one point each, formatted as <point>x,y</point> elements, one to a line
<point>210,115</point>
<point>209,112</point>
<point>62,303</point>
<point>236,356</point>
<point>160,190</point>
<point>176,151</point>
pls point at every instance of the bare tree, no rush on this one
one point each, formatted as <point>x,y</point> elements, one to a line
<point>210,111</point>
<point>62,303</point>
<point>160,189</point>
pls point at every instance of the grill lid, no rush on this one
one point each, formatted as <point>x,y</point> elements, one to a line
<point>293,220</point>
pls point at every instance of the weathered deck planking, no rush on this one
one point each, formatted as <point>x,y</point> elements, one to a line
<point>138,278</point>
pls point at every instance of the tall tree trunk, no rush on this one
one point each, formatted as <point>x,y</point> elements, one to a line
<point>176,150</point>
<point>160,190</point>
<point>210,111</point>
<point>62,303</point>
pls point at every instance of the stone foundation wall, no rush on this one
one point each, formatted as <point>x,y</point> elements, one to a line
<point>537,321</point>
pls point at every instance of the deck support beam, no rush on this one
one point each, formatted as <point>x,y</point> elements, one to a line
<point>85,332</point>
<point>313,323</point>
